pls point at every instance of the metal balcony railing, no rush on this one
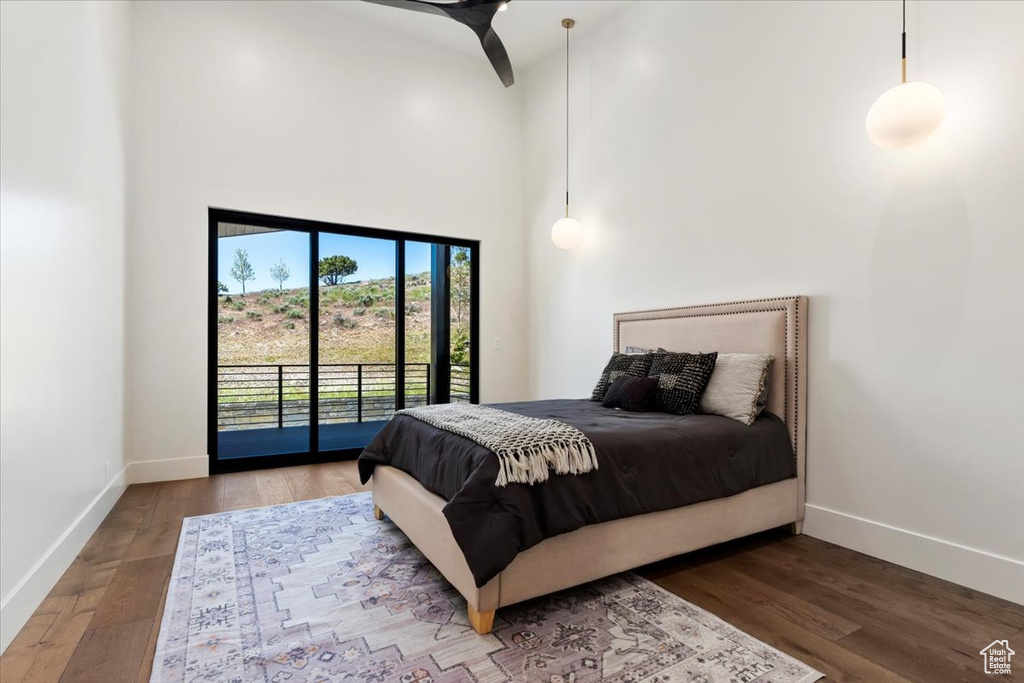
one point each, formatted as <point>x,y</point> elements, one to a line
<point>260,396</point>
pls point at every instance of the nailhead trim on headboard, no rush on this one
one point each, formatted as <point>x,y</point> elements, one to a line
<point>744,302</point>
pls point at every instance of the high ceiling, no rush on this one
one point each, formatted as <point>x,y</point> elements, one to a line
<point>529,29</point>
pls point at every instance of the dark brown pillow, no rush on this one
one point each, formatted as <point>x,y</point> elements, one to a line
<point>682,378</point>
<point>630,393</point>
<point>620,365</point>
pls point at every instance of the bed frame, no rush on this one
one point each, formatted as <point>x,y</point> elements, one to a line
<point>775,326</point>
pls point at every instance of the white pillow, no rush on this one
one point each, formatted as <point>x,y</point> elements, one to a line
<point>738,386</point>
<point>636,351</point>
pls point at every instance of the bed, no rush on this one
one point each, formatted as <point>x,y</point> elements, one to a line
<point>583,542</point>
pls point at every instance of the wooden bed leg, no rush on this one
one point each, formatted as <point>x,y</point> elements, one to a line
<point>377,513</point>
<point>797,527</point>
<point>482,622</point>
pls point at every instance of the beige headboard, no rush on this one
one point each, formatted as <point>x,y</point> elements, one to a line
<point>775,326</point>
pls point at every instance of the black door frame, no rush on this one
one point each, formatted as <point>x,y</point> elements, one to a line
<point>314,229</point>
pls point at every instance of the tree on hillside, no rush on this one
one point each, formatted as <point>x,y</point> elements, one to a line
<point>279,271</point>
<point>242,270</point>
<point>221,287</point>
<point>460,348</point>
<point>459,272</point>
<point>334,269</point>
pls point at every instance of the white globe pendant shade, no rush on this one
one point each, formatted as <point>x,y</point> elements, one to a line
<point>905,115</point>
<point>567,233</point>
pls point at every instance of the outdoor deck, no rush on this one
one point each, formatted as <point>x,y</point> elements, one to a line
<point>238,443</point>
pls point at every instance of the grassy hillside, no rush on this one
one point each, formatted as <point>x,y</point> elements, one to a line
<point>357,324</point>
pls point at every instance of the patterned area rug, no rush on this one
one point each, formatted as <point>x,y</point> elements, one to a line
<point>320,592</point>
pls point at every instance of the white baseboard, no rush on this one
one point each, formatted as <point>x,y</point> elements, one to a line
<point>145,471</point>
<point>18,605</point>
<point>977,569</point>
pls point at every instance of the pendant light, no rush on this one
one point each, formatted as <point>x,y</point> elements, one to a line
<point>908,113</point>
<point>567,232</point>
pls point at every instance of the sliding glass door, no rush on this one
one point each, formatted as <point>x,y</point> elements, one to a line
<point>262,341</point>
<point>358,346</point>
<point>345,323</point>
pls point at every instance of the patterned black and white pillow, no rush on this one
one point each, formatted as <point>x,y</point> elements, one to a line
<point>620,365</point>
<point>682,378</point>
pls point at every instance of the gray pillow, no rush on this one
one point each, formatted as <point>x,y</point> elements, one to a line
<point>738,387</point>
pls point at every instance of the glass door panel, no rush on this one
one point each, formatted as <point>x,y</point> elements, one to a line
<point>357,349</point>
<point>417,323</point>
<point>460,264</point>
<point>262,342</point>
<point>438,322</point>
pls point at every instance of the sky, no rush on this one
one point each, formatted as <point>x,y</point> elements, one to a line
<point>375,257</point>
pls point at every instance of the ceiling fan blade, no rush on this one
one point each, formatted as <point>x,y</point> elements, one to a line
<point>474,14</point>
<point>495,51</point>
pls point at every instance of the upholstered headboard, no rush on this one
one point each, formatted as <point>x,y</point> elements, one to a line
<point>775,326</point>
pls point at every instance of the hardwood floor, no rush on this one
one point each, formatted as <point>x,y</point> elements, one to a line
<point>851,616</point>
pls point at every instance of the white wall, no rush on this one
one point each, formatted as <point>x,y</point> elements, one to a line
<point>719,153</point>
<point>298,110</point>
<point>63,68</point>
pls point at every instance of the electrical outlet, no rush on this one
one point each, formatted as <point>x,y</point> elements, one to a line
<point>106,471</point>
<point>497,343</point>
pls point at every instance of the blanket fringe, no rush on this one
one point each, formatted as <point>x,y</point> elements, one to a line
<point>533,465</point>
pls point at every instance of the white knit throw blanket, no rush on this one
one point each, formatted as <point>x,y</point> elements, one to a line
<point>527,447</point>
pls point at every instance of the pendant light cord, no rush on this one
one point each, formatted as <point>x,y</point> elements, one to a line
<point>567,121</point>
<point>903,62</point>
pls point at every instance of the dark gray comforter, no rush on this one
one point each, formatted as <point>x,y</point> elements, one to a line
<point>647,462</point>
